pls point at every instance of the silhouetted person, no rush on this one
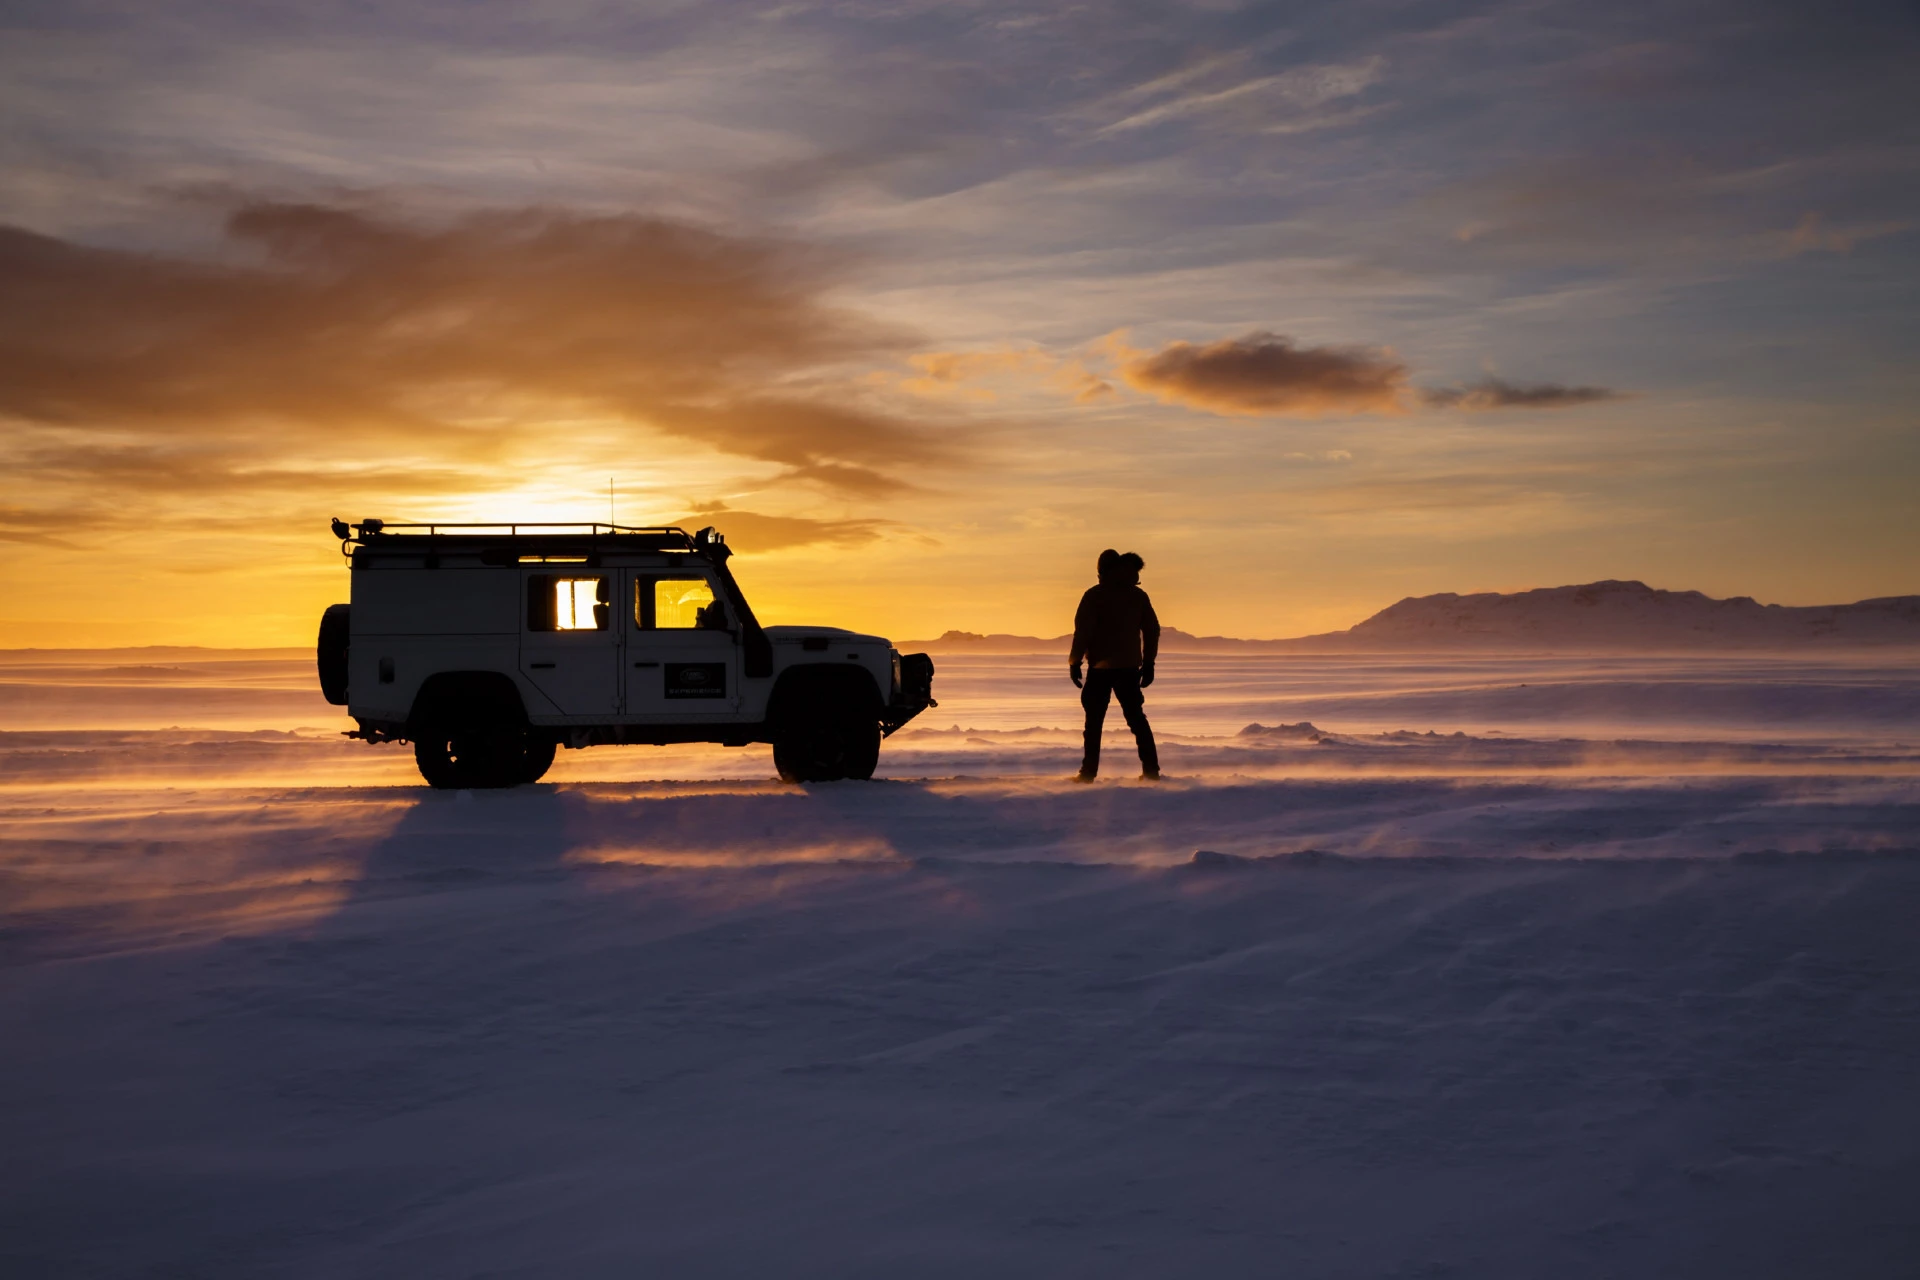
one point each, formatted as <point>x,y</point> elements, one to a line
<point>1116,631</point>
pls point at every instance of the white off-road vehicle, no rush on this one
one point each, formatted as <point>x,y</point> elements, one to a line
<point>489,646</point>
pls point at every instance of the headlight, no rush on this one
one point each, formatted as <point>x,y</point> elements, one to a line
<point>895,694</point>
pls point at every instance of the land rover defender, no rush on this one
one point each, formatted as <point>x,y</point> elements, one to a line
<point>488,647</point>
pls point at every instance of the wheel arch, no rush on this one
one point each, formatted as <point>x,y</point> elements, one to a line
<point>466,698</point>
<point>801,688</point>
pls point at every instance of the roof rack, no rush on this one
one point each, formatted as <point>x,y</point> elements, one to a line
<point>362,530</point>
<point>591,534</point>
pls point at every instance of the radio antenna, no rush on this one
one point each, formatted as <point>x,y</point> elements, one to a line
<point>610,502</point>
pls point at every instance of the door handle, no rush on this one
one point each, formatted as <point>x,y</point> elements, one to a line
<point>541,666</point>
<point>645,664</point>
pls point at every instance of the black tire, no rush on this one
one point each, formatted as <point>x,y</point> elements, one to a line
<point>538,759</point>
<point>476,757</point>
<point>827,743</point>
<point>330,653</point>
<point>863,749</point>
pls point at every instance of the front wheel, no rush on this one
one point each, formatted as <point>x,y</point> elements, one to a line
<point>826,746</point>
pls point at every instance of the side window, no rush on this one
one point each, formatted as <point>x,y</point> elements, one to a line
<point>556,603</point>
<point>684,604</point>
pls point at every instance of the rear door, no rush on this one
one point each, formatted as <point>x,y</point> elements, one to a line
<point>683,649</point>
<point>570,639</point>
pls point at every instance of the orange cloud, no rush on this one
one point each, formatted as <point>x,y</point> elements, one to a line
<point>1267,374</point>
<point>333,328</point>
<point>943,374</point>
<point>752,532</point>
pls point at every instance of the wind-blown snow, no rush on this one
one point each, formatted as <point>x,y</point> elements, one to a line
<point>1416,966</point>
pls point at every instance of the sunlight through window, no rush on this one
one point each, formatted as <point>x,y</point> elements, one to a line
<point>579,604</point>
<point>679,603</point>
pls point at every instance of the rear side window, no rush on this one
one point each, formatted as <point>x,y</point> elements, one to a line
<point>570,603</point>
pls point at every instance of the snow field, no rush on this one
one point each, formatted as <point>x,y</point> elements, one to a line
<point>1583,991</point>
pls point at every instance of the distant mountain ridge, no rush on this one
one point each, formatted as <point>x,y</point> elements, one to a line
<point>1616,614</point>
<point>1610,615</point>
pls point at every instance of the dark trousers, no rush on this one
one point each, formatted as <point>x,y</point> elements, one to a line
<point>1123,684</point>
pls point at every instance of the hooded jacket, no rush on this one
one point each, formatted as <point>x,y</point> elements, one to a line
<point>1115,626</point>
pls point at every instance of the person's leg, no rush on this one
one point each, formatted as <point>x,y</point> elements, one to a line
<point>1093,697</point>
<point>1126,688</point>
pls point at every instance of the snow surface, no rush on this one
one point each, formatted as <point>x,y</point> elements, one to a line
<point>1416,967</point>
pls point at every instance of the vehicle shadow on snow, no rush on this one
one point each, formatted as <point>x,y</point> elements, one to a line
<point>546,830</point>
<point>556,831</point>
<point>449,838</point>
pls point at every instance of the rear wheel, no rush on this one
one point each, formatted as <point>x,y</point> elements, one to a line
<point>538,759</point>
<point>476,756</point>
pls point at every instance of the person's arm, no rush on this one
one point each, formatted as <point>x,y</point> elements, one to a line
<point>1081,623</point>
<point>1149,639</point>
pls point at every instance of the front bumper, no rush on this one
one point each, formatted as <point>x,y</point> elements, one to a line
<point>914,695</point>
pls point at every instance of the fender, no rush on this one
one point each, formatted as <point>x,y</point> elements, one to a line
<point>466,698</point>
<point>813,683</point>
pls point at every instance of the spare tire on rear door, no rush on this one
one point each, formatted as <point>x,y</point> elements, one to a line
<point>336,631</point>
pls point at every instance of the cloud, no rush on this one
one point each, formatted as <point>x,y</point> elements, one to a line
<point>1812,235</point>
<point>751,531</point>
<point>1497,393</point>
<point>42,528</point>
<point>1299,89</point>
<point>1257,374</point>
<point>207,472</point>
<point>945,374</point>
<point>956,374</point>
<point>1673,209</point>
<point>1261,373</point>
<point>341,329</point>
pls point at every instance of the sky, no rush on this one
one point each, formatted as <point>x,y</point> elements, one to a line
<point>1313,306</point>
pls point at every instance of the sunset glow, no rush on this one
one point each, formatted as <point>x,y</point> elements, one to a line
<point>923,310</point>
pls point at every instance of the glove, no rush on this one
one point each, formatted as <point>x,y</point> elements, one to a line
<point>1146,674</point>
<point>1073,674</point>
